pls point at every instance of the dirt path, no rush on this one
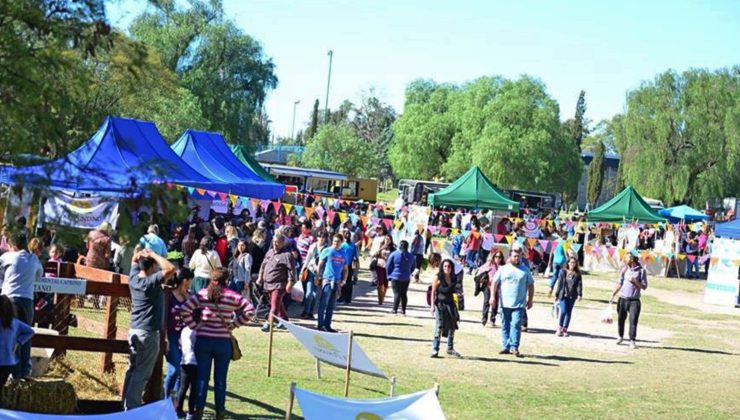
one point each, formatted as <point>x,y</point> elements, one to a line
<point>587,331</point>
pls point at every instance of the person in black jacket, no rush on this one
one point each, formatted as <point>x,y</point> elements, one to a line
<point>568,289</point>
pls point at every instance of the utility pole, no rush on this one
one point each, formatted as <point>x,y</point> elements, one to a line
<point>328,82</point>
<point>292,130</point>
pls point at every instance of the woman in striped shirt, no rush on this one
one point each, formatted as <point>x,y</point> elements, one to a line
<point>222,311</point>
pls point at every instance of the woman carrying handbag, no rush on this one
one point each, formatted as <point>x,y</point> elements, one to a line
<point>223,310</point>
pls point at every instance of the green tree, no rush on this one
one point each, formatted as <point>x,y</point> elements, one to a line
<point>579,123</point>
<point>41,73</point>
<point>595,174</point>
<point>223,67</point>
<point>314,127</point>
<point>423,134</point>
<point>679,138</point>
<point>373,122</point>
<point>523,145</point>
<point>338,148</point>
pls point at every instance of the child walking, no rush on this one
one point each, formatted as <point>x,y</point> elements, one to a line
<point>12,334</point>
<point>188,373</point>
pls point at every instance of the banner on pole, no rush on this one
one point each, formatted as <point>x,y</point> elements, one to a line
<point>722,282</point>
<point>79,212</point>
<point>160,410</point>
<point>422,405</point>
<point>332,348</point>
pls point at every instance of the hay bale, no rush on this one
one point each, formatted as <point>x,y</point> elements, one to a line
<point>47,396</point>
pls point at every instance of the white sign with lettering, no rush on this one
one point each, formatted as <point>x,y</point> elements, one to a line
<point>60,285</point>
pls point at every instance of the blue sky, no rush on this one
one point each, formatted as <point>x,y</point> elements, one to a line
<point>606,48</point>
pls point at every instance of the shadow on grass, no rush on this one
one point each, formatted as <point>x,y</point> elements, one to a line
<point>275,412</point>
<point>579,334</point>
<point>388,337</point>
<point>689,349</point>
<point>390,324</point>
<point>513,359</point>
<point>580,359</point>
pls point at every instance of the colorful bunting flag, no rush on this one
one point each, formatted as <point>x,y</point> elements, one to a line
<point>543,244</point>
<point>201,191</point>
<point>576,247</point>
<point>191,190</point>
<point>288,208</point>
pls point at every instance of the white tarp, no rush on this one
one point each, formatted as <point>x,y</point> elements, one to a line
<point>722,282</point>
<point>160,410</point>
<point>422,405</point>
<point>332,348</point>
<point>79,212</point>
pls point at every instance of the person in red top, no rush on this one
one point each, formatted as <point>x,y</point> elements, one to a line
<point>472,247</point>
<point>99,251</point>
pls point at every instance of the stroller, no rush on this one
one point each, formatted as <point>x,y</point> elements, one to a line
<point>260,300</point>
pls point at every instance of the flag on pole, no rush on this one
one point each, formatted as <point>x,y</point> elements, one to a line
<point>422,405</point>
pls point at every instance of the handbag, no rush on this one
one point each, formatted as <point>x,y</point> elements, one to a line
<point>236,352</point>
<point>373,264</point>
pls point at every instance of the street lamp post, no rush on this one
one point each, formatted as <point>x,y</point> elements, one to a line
<point>292,130</point>
<point>328,82</point>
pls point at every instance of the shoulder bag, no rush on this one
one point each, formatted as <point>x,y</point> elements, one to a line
<point>236,352</point>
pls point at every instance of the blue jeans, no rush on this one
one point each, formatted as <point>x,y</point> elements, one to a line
<point>327,302</point>
<point>555,273</point>
<point>471,257</point>
<point>511,327</point>
<point>144,349</point>
<point>566,309</point>
<point>438,333</point>
<point>24,308</point>
<point>216,351</point>
<point>309,296</point>
<point>173,357</point>
<point>692,268</point>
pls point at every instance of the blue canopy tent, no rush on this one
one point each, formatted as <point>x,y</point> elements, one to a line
<point>682,213</point>
<point>729,229</point>
<point>209,154</point>
<point>122,157</point>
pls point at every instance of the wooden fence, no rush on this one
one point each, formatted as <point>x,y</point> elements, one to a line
<point>100,283</point>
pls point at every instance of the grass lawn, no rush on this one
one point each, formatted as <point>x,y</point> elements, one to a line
<point>686,365</point>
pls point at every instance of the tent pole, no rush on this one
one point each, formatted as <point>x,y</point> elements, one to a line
<point>349,364</point>
<point>393,386</point>
<point>291,398</point>
<point>436,389</point>
<point>318,369</point>
<point>269,348</point>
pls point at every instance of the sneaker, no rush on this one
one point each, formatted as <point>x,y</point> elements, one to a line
<point>265,327</point>
<point>329,329</point>
<point>281,327</point>
<point>565,332</point>
<point>453,353</point>
<point>310,316</point>
<point>633,345</point>
<point>620,340</point>
<point>504,351</point>
<point>524,329</point>
<point>403,313</point>
<point>220,414</point>
<point>516,353</point>
<point>395,312</point>
<point>180,414</point>
<point>435,354</point>
<point>483,322</point>
<point>190,416</point>
<point>559,332</point>
<point>321,329</point>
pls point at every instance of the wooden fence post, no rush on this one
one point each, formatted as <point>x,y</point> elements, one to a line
<point>111,314</point>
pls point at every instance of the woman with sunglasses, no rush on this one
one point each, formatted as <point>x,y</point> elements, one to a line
<point>494,261</point>
<point>568,289</point>
<point>444,309</point>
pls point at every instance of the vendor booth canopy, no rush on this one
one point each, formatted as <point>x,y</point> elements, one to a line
<point>627,206</point>
<point>246,158</point>
<point>682,213</point>
<point>124,156</point>
<point>474,191</point>
<point>209,154</point>
<point>728,229</point>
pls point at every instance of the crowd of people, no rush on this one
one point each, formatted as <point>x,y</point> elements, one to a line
<point>220,270</point>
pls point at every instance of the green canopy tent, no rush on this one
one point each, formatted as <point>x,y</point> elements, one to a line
<point>243,155</point>
<point>474,191</point>
<point>627,206</point>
